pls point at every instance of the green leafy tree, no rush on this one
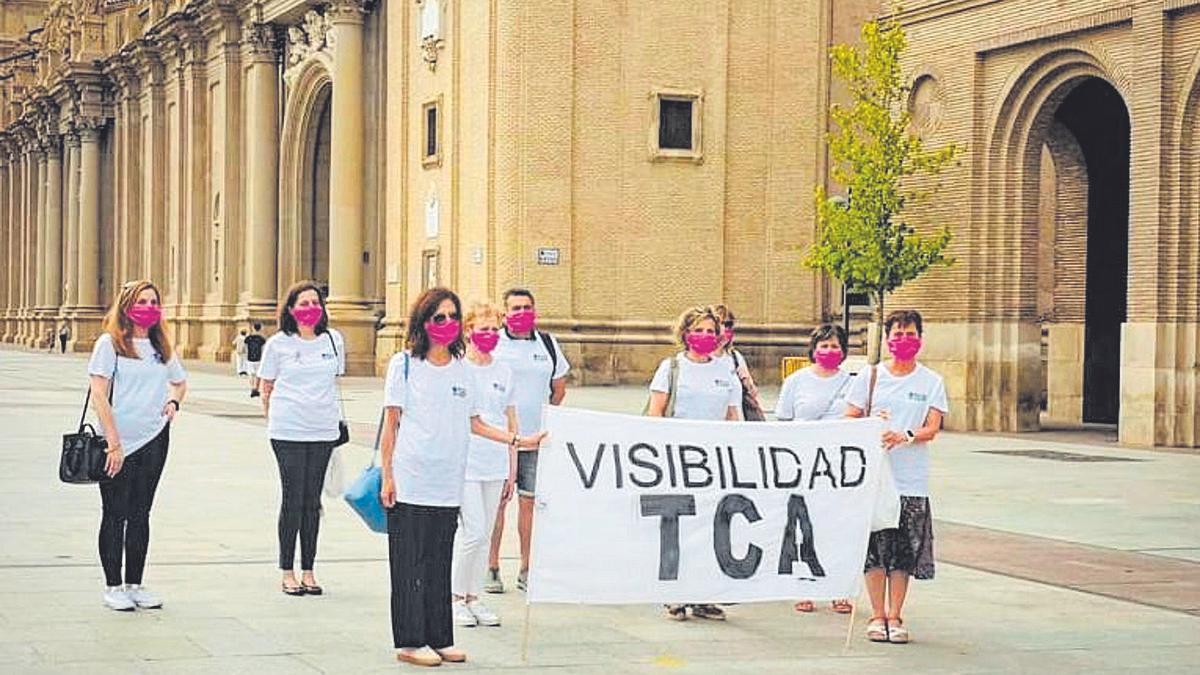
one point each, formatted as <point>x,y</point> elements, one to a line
<point>865,240</point>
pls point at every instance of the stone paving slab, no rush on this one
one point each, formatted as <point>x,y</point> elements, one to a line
<point>212,557</point>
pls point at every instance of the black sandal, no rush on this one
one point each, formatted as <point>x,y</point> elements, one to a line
<point>293,590</point>
<point>311,590</point>
<point>710,612</point>
<point>677,612</point>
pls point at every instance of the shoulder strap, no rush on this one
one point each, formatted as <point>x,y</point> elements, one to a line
<point>549,342</point>
<point>871,388</point>
<point>672,387</point>
<point>112,384</point>
<point>333,344</point>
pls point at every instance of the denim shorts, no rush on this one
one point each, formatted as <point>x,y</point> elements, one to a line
<point>526,472</point>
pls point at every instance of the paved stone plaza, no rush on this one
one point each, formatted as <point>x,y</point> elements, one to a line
<point>1084,556</point>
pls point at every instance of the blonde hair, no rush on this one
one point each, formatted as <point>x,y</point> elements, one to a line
<point>481,310</point>
<point>690,319</point>
<point>120,327</point>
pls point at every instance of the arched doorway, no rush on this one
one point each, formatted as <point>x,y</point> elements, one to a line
<point>1083,249</point>
<point>1095,115</point>
<point>315,228</point>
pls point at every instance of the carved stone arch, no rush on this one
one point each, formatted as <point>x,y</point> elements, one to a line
<point>307,96</point>
<point>1186,134</point>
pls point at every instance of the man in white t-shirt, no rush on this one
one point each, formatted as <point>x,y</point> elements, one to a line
<point>912,400</point>
<point>539,371</point>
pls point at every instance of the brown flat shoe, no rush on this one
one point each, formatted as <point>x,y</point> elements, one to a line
<point>419,657</point>
<point>452,654</point>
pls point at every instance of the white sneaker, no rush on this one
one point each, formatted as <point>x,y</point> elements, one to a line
<point>142,597</point>
<point>463,615</point>
<point>483,615</point>
<point>116,598</point>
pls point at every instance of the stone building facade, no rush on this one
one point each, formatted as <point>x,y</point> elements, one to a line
<point>622,159</point>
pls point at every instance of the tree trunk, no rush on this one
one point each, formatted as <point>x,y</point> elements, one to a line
<point>875,342</point>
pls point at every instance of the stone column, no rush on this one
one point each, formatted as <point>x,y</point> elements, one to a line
<point>89,217</point>
<point>347,305</point>
<point>42,252</point>
<point>53,231</point>
<point>260,275</point>
<point>29,296</point>
<point>71,236</point>
<point>13,262</point>
<point>6,248</point>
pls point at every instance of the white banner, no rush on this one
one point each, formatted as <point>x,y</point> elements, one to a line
<point>640,509</point>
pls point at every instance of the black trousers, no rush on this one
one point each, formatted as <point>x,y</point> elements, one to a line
<point>301,477</point>
<point>125,519</point>
<point>420,548</point>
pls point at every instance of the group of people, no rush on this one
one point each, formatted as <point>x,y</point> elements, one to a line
<point>460,433</point>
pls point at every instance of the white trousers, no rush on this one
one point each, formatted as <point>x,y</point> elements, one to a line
<point>473,541</point>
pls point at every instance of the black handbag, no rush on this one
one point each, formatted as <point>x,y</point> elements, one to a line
<point>343,428</point>
<point>85,452</point>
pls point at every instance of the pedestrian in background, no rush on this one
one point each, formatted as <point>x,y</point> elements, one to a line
<point>750,406</point>
<point>134,363</point>
<point>911,398</point>
<point>254,344</point>
<point>695,384</point>
<point>300,367</point>
<point>239,353</point>
<point>432,406</point>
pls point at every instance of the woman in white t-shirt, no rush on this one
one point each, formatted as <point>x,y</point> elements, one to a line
<point>432,406</point>
<point>298,382</point>
<point>749,404</point>
<point>697,385</point>
<point>818,392</point>
<point>912,400</point>
<point>491,465</point>
<point>137,386</point>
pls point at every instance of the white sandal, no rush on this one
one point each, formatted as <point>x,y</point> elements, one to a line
<point>877,629</point>
<point>897,633</point>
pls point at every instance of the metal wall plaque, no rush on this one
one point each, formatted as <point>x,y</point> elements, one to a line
<point>547,256</point>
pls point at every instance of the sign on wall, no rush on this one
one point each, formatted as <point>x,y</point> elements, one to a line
<point>639,509</point>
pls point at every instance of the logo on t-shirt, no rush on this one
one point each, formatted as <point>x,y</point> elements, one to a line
<point>499,386</point>
<point>723,384</point>
<point>916,396</point>
<point>458,392</point>
<point>541,357</point>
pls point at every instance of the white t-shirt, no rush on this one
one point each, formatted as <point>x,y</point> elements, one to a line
<point>437,403</point>
<point>486,459</point>
<point>703,391</point>
<point>140,389</point>
<point>304,402</point>
<point>531,369</point>
<point>806,396</point>
<point>908,400</point>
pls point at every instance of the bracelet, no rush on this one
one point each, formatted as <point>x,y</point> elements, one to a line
<point>176,404</point>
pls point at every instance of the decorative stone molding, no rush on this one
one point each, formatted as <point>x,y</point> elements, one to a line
<point>346,11</point>
<point>90,128</point>
<point>926,105</point>
<point>311,39</point>
<point>430,25</point>
<point>260,41</point>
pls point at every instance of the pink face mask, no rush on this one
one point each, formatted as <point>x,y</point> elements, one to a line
<point>904,347</point>
<point>145,316</point>
<point>309,315</point>
<point>522,321</point>
<point>485,340</point>
<point>829,359</point>
<point>728,336</point>
<point>701,343</point>
<point>442,333</point>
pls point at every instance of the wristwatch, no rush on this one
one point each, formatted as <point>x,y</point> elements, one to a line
<point>910,435</point>
<point>176,404</point>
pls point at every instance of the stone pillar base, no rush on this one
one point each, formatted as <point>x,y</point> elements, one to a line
<point>86,326</point>
<point>388,342</point>
<point>1160,384</point>
<point>992,373</point>
<point>1064,373</point>
<point>357,326</point>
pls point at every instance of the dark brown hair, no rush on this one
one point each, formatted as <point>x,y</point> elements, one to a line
<point>523,292</point>
<point>824,332</point>
<point>287,322</point>
<point>903,317</point>
<point>120,327</point>
<point>423,308</point>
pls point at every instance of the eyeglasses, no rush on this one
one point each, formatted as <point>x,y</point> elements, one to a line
<point>728,324</point>
<point>439,319</point>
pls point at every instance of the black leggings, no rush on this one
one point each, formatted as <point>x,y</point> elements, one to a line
<point>301,476</point>
<point>420,547</point>
<point>126,500</point>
